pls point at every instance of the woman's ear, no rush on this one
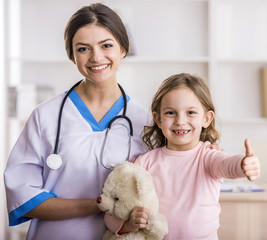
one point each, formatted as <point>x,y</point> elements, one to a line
<point>156,118</point>
<point>208,118</point>
<point>123,53</point>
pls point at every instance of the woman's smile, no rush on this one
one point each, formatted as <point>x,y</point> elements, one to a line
<point>97,54</point>
<point>99,68</point>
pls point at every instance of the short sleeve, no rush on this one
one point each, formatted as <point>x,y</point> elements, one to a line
<point>23,174</point>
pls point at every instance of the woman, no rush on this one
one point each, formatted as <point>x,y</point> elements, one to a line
<point>62,202</point>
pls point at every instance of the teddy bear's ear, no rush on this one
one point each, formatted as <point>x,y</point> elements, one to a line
<point>144,184</point>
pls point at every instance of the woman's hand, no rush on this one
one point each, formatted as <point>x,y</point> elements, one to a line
<point>250,163</point>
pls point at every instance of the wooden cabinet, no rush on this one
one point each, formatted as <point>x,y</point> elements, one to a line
<point>243,216</point>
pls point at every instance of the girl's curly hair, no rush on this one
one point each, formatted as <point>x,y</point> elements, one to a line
<point>153,136</point>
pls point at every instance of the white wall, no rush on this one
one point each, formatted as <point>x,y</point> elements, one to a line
<point>3,212</point>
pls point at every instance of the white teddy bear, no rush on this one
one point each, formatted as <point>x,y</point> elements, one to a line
<point>127,186</point>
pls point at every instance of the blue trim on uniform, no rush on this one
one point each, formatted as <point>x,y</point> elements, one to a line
<point>16,216</point>
<point>87,115</point>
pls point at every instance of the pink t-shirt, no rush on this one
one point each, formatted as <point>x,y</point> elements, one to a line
<point>188,186</point>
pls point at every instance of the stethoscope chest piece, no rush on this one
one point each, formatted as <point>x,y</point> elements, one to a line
<point>54,161</point>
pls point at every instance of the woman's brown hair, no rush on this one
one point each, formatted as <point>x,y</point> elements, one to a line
<point>101,15</point>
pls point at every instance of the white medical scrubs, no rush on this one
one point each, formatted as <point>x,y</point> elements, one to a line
<point>29,181</point>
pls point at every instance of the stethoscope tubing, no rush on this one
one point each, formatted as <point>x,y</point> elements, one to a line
<point>60,115</point>
<point>106,136</point>
<point>123,116</point>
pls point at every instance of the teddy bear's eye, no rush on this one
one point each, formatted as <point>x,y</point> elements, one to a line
<point>116,199</point>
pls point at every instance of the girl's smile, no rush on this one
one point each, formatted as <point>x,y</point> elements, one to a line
<point>182,118</point>
<point>181,132</point>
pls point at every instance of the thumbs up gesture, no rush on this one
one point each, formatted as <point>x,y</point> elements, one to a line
<point>250,163</point>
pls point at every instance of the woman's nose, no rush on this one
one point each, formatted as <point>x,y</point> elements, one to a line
<point>96,56</point>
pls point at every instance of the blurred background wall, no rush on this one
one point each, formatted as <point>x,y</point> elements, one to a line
<point>222,41</point>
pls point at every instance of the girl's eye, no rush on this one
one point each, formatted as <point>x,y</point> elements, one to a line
<point>107,45</point>
<point>191,112</point>
<point>170,113</point>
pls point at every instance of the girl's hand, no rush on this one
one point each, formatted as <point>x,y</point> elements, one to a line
<point>250,163</point>
<point>138,219</point>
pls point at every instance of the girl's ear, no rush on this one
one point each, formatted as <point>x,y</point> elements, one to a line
<point>208,118</point>
<point>156,118</point>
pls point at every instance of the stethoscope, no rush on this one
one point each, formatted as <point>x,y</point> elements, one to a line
<point>54,161</point>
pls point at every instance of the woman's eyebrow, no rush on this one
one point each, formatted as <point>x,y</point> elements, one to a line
<point>100,42</point>
<point>83,44</point>
<point>108,39</point>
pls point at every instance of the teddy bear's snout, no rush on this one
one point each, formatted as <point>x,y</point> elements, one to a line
<point>99,200</point>
<point>105,203</point>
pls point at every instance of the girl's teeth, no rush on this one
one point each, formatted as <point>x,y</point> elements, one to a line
<point>182,132</point>
<point>99,68</point>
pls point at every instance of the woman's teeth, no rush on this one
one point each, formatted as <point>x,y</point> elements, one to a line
<point>99,67</point>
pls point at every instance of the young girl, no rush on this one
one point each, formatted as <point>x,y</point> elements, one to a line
<point>187,174</point>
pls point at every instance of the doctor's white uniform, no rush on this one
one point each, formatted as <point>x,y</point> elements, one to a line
<point>29,181</point>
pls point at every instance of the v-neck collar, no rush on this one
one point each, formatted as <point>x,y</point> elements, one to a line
<point>88,116</point>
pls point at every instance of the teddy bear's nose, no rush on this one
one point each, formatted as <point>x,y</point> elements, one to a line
<point>99,200</point>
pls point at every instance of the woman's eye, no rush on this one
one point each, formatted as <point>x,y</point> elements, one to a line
<point>107,45</point>
<point>82,49</point>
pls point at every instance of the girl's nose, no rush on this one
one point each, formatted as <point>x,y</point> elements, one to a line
<point>180,119</point>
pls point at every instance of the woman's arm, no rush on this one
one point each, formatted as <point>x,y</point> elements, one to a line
<point>61,209</point>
